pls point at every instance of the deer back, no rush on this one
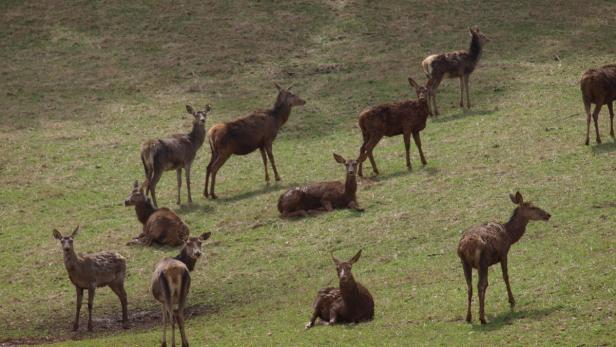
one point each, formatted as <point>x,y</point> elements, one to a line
<point>100,269</point>
<point>166,228</point>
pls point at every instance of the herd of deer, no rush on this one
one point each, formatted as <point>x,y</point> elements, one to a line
<point>480,246</point>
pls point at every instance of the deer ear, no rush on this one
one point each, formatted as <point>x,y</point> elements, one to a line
<point>517,198</point>
<point>413,83</point>
<point>208,108</point>
<point>355,257</point>
<point>277,86</point>
<point>189,109</point>
<point>205,236</point>
<point>74,233</point>
<point>56,234</point>
<point>336,261</point>
<point>339,158</point>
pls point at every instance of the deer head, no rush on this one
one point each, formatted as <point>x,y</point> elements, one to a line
<point>475,32</point>
<point>350,165</point>
<point>200,116</point>
<point>527,209</point>
<point>136,196</point>
<point>192,246</point>
<point>286,97</point>
<point>65,241</point>
<point>343,268</point>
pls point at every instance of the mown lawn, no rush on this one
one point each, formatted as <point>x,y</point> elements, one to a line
<point>84,83</point>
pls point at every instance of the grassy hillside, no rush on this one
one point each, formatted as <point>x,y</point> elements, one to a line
<point>83,83</point>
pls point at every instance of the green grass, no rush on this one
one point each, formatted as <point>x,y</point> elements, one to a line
<point>84,83</point>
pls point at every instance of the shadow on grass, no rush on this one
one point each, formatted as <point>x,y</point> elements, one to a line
<point>194,207</point>
<point>268,188</point>
<point>416,169</point>
<point>461,114</point>
<point>601,148</point>
<point>506,318</point>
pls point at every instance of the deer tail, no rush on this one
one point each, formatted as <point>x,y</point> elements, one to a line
<point>184,288</point>
<point>164,285</point>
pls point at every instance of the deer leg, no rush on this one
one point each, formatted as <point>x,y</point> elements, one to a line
<point>180,317</point>
<point>118,289</point>
<point>264,157</point>
<point>506,279</point>
<point>220,160</point>
<point>369,148</point>
<point>466,87</point>
<point>362,149</point>
<point>354,206</point>
<point>172,318</point>
<point>187,173</point>
<point>178,171</point>
<point>164,341</point>
<point>208,172</point>
<point>270,154</point>
<point>332,316</point>
<point>407,147</point>
<point>462,91</point>
<point>610,108</point>
<point>152,186</point>
<point>90,304</point>
<point>468,275</point>
<point>482,286</point>
<point>433,93</point>
<point>327,205</point>
<point>417,140</point>
<point>78,307</point>
<point>595,118</point>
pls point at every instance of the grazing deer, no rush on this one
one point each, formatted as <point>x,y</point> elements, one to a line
<point>599,87</point>
<point>350,303</point>
<point>90,271</point>
<point>171,283</point>
<point>391,119</point>
<point>484,245</point>
<point>160,225</point>
<point>322,195</point>
<point>454,64</point>
<point>243,136</point>
<point>173,153</point>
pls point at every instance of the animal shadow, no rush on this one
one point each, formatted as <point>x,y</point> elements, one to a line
<point>267,188</point>
<point>606,147</point>
<point>506,318</point>
<point>462,114</point>
<point>184,208</point>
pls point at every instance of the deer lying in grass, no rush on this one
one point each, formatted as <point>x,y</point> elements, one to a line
<point>322,195</point>
<point>90,271</point>
<point>243,136</point>
<point>599,87</point>
<point>173,153</point>
<point>484,245</point>
<point>458,64</point>
<point>160,225</point>
<point>171,283</point>
<point>350,303</point>
<point>391,119</point>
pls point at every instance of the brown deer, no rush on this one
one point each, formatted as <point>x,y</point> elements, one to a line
<point>458,64</point>
<point>91,271</point>
<point>322,195</point>
<point>350,303</point>
<point>484,245</point>
<point>160,225</point>
<point>392,119</point>
<point>173,153</point>
<point>243,136</point>
<point>599,87</point>
<point>171,283</point>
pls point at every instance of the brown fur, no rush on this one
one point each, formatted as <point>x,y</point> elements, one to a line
<point>322,195</point>
<point>599,87</point>
<point>350,303</point>
<point>484,245</point>
<point>160,225</point>
<point>173,153</point>
<point>171,284</point>
<point>245,135</point>
<point>457,64</point>
<point>91,271</point>
<point>404,118</point>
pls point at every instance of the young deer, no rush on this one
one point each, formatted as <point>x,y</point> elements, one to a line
<point>90,271</point>
<point>484,245</point>
<point>392,119</point>
<point>458,64</point>
<point>322,195</point>
<point>243,136</point>
<point>171,283</point>
<point>599,87</point>
<point>160,225</point>
<point>173,153</point>
<point>350,303</point>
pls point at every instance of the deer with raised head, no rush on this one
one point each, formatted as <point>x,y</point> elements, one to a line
<point>482,246</point>
<point>322,195</point>
<point>599,87</point>
<point>404,118</point>
<point>247,134</point>
<point>171,283</point>
<point>160,225</point>
<point>91,271</point>
<point>173,153</point>
<point>351,302</point>
<point>457,64</point>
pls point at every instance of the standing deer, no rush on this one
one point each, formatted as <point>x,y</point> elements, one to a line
<point>458,64</point>
<point>171,283</point>
<point>322,195</point>
<point>392,119</point>
<point>484,245</point>
<point>173,153</point>
<point>90,271</point>
<point>160,225</point>
<point>350,303</point>
<point>243,136</point>
<point>599,87</point>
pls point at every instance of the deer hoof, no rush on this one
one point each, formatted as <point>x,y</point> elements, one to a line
<point>214,196</point>
<point>308,325</point>
<point>75,327</point>
<point>278,179</point>
<point>469,318</point>
<point>483,321</point>
<point>586,143</point>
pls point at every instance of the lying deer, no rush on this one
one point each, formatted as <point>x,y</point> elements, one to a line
<point>90,271</point>
<point>392,119</point>
<point>171,283</point>
<point>350,303</point>
<point>160,225</point>
<point>484,245</point>
<point>458,64</point>
<point>322,195</point>
<point>599,87</point>
<point>243,136</point>
<point>174,153</point>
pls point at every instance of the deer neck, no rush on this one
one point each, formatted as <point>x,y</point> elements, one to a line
<point>186,259</point>
<point>349,290</point>
<point>144,210</point>
<point>197,134</point>
<point>516,226</point>
<point>71,260</point>
<point>350,186</point>
<point>281,112</point>
<point>475,49</point>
